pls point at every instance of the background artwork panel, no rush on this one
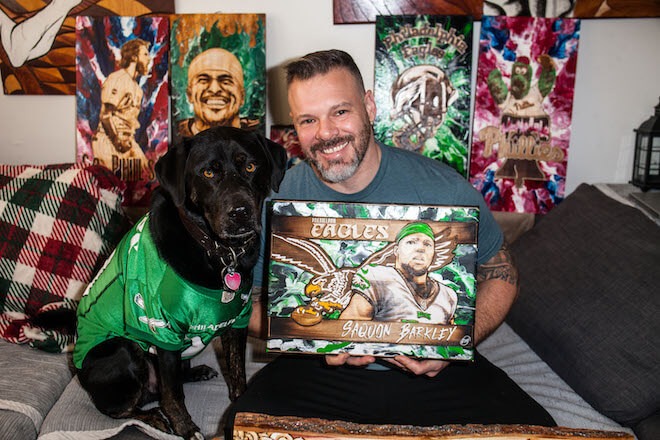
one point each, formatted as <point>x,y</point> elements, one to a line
<point>218,64</point>
<point>122,98</point>
<point>573,8</point>
<point>286,136</point>
<point>523,110</point>
<point>37,50</point>
<point>422,85</point>
<point>365,11</point>
<point>415,265</point>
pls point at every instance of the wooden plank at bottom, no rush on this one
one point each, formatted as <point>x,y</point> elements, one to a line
<point>251,426</point>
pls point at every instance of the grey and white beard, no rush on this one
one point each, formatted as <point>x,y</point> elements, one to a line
<point>338,171</point>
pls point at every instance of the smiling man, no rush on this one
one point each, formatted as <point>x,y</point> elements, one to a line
<point>332,114</point>
<point>215,90</point>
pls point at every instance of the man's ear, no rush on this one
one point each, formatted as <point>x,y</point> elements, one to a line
<point>370,105</point>
<point>171,170</point>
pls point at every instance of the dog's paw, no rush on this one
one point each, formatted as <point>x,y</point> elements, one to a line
<point>197,436</point>
<point>199,373</point>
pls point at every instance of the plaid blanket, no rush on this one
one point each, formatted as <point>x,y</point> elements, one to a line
<point>58,224</point>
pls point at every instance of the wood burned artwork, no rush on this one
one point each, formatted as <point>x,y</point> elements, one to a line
<point>37,50</point>
<point>529,8</point>
<point>374,280</point>
<point>573,8</point>
<point>423,85</point>
<point>286,136</point>
<point>122,98</point>
<point>252,426</point>
<point>365,11</point>
<point>218,64</point>
<point>616,8</point>
<point>522,118</point>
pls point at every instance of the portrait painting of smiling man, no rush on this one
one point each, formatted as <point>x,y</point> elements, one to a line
<point>218,72</point>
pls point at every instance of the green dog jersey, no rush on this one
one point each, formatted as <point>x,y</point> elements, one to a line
<point>138,296</point>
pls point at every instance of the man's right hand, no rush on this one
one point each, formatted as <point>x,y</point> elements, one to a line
<point>336,360</point>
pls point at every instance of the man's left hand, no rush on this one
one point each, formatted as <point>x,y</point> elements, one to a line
<point>426,367</point>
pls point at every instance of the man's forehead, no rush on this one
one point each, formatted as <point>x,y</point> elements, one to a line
<point>324,92</point>
<point>218,60</point>
<point>418,236</point>
<point>214,73</point>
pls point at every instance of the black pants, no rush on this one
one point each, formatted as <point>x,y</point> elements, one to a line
<point>304,386</point>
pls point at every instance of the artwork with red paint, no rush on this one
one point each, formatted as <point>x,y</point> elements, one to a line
<point>122,98</point>
<point>523,110</point>
<point>286,136</point>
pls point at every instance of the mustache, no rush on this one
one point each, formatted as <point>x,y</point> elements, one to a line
<point>321,145</point>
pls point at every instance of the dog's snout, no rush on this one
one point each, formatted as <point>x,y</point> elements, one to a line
<point>239,213</point>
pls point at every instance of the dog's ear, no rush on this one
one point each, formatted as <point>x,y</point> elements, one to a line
<point>171,170</point>
<point>278,159</point>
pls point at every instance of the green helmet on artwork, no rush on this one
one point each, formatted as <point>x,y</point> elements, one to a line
<point>415,228</point>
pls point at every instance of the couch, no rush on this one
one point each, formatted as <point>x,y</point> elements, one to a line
<point>581,338</point>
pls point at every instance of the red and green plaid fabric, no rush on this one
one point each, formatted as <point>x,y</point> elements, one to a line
<point>58,224</point>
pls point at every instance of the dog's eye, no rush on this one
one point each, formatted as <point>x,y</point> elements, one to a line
<point>208,173</point>
<point>251,167</point>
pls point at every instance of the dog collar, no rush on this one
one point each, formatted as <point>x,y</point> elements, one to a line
<point>229,257</point>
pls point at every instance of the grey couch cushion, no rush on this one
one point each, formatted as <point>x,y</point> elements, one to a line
<point>16,425</point>
<point>30,384</point>
<point>75,414</point>
<point>589,302</point>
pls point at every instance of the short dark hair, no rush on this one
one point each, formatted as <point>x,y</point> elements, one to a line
<point>131,49</point>
<point>319,63</point>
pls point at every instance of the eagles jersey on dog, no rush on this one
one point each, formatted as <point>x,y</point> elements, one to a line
<point>138,296</point>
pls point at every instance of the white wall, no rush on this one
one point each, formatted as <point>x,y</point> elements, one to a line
<point>618,84</point>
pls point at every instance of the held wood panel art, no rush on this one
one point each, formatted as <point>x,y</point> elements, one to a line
<point>414,264</point>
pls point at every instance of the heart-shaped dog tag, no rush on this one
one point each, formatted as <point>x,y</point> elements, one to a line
<point>233,280</point>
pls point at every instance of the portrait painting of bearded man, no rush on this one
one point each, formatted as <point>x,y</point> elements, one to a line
<point>122,98</point>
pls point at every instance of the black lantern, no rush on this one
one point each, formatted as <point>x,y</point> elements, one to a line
<point>646,167</point>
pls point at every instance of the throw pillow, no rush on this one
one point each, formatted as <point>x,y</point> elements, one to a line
<point>58,224</point>
<point>589,301</point>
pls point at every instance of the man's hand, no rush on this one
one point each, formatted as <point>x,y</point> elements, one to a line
<point>426,367</point>
<point>335,360</point>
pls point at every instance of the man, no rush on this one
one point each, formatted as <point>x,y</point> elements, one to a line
<point>405,291</point>
<point>216,92</point>
<point>114,144</point>
<point>332,114</point>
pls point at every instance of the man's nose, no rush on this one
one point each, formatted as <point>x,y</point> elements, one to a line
<point>326,129</point>
<point>214,85</point>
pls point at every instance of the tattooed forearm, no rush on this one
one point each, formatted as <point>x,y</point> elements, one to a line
<point>501,266</point>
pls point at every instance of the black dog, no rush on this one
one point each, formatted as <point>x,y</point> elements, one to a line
<point>179,278</point>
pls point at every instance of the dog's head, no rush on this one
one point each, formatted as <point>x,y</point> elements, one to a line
<point>221,176</point>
